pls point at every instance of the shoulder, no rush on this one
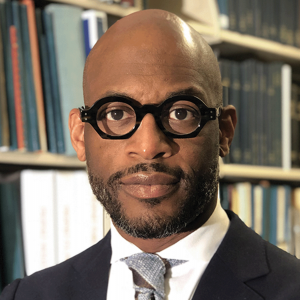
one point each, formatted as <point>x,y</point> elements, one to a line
<point>266,268</point>
<point>58,281</point>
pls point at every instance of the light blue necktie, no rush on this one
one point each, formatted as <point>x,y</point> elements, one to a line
<point>148,274</point>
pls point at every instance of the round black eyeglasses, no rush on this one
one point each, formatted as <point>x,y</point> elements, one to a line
<point>177,117</point>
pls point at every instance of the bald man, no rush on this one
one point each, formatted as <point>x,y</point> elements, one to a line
<point>151,132</point>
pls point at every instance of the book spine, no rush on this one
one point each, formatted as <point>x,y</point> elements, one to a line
<point>17,87</point>
<point>47,21</point>
<point>294,127</point>
<point>36,72</point>
<point>48,97</point>
<point>235,98</point>
<point>32,119</point>
<point>6,17</point>
<point>4,134</point>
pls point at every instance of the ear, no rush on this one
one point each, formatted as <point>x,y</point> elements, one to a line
<point>227,123</point>
<point>76,127</point>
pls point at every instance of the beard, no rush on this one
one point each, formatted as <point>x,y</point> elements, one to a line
<point>200,190</point>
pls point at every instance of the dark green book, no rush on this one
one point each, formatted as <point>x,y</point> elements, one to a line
<point>13,265</point>
<point>233,15</point>
<point>234,99</point>
<point>260,118</point>
<point>257,17</point>
<point>48,25</point>
<point>4,122</point>
<point>295,127</point>
<point>31,109</point>
<point>47,91</point>
<point>265,19</point>
<point>241,9</point>
<point>250,17</point>
<point>6,21</point>
<point>246,123</point>
<point>275,70</point>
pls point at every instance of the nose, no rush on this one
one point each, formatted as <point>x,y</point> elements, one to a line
<point>149,142</point>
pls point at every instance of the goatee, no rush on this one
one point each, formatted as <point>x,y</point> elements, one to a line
<point>200,190</point>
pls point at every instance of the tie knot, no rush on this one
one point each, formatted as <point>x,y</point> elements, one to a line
<point>148,274</point>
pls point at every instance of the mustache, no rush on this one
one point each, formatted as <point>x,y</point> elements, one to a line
<point>176,172</point>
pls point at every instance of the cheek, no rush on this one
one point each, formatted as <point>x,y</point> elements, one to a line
<point>101,155</point>
<point>198,153</point>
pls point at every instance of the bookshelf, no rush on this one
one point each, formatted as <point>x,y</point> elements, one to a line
<point>233,42</point>
<point>228,43</point>
<point>113,9</point>
<point>40,159</point>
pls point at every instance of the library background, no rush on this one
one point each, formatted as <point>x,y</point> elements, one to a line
<point>43,47</point>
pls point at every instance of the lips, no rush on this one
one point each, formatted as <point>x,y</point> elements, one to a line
<point>145,185</point>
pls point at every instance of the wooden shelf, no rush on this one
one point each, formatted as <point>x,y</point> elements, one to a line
<point>259,172</point>
<point>236,43</point>
<point>113,9</point>
<point>226,170</point>
<point>40,159</point>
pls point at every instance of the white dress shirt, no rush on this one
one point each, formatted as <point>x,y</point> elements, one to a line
<point>181,281</point>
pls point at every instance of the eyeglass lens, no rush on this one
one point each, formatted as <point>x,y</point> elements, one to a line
<point>178,117</point>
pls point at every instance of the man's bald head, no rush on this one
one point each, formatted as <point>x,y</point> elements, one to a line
<point>156,38</point>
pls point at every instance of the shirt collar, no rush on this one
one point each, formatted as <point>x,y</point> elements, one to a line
<point>200,245</point>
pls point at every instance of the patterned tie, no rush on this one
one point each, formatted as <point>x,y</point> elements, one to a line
<point>148,272</point>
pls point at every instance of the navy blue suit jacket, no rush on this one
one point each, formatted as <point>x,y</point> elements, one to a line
<point>244,267</point>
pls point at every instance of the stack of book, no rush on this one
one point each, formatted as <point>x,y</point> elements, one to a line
<point>261,93</point>
<point>273,211</point>
<point>42,56</point>
<point>276,20</point>
<point>46,217</point>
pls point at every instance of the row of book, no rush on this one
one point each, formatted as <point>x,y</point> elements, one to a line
<point>42,56</point>
<point>295,125</point>
<point>272,211</point>
<point>276,20</point>
<point>123,3</point>
<point>46,217</point>
<point>261,93</point>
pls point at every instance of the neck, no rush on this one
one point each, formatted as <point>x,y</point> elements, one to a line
<point>157,245</point>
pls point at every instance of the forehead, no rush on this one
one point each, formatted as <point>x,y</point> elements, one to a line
<point>148,68</point>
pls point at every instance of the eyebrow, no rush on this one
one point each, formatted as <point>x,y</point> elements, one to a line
<point>191,91</point>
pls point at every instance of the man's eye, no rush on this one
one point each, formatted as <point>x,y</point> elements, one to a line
<point>116,115</point>
<point>181,114</point>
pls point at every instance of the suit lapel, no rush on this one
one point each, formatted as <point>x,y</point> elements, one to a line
<point>92,281</point>
<point>240,258</point>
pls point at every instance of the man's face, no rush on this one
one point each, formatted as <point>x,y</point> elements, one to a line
<point>151,185</point>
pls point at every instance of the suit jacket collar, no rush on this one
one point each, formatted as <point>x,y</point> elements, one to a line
<point>92,279</point>
<point>240,258</point>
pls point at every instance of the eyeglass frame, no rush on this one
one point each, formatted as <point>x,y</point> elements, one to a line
<point>89,115</point>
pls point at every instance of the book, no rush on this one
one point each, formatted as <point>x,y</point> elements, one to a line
<point>12,259</point>
<point>94,26</point>
<point>79,216</point>
<point>60,216</point>
<point>17,88</point>
<point>38,219</point>
<point>273,225</point>
<point>257,209</point>
<point>54,85</point>
<point>223,14</point>
<point>295,141</point>
<point>36,72</point>
<point>285,114</point>
<point>6,19</point>
<point>30,96</point>
<point>70,59</point>
<point>4,123</point>
<point>46,80</point>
